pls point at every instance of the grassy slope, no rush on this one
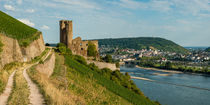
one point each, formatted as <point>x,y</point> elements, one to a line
<point>67,86</point>
<point>144,42</point>
<point>13,28</point>
<point>5,73</point>
<point>20,91</point>
<point>126,94</point>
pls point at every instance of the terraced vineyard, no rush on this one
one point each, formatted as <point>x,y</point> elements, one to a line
<point>13,28</point>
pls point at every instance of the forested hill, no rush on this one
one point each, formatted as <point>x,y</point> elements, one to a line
<point>208,49</point>
<point>144,42</point>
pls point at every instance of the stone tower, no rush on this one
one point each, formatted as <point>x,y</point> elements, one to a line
<point>66,32</point>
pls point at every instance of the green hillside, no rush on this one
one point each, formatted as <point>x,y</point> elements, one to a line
<point>143,43</point>
<point>208,49</point>
<point>13,28</point>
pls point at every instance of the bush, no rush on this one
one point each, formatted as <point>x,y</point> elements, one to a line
<point>47,44</point>
<point>108,58</point>
<point>80,59</point>
<point>91,51</point>
<point>110,83</point>
<point>117,65</point>
<point>62,48</point>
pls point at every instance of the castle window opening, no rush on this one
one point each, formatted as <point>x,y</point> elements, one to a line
<point>80,44</point>
<point>86,44</point>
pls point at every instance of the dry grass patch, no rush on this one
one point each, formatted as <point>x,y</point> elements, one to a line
<point>52,95</point>
<point>85,87</point>
<point>20,92</point>
<point>6,72</point>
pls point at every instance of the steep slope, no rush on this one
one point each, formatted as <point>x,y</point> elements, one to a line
<point>75,83</point>
<point>15,29</point>
<point>142,43</point>
<point>18,42</point>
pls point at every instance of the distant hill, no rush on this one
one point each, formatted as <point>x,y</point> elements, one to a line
<point>143,43</point>
<point>13,28</point>
<point>208,49</point>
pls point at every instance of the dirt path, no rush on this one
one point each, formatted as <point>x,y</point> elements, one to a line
<point>35,96</point>
<point>8,89</point>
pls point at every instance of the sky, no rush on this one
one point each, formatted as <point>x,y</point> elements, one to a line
<point>186,22</point>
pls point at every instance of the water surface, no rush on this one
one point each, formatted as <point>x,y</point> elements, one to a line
<point>172,89</point>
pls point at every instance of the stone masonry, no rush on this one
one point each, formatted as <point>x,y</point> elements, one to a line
<point>77,45</point>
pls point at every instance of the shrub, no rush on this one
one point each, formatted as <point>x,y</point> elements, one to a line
<point>117,65</point>
<point>135,96</point>
<point>80,59</point>
<point>47,44</point>
<point>108,58</point>
<point>91,51</point>
<point>62,48</point>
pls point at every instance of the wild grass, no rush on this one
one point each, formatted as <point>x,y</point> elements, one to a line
<point>1,45</point>
<point>88,89</point>
<point>4,76</point>
<point>38,58</point>
<point>13,28</point>
<point>6,72</point>
<point>123,92</point>
<point>20,91</point>
<point>52,94</point>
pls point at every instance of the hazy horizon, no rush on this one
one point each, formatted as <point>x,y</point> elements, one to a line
<point>185,23</point>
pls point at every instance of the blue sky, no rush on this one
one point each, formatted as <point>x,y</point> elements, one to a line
<point>186,22</point>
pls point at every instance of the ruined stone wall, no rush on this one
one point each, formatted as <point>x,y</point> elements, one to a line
<point>48,66</point>
<point>34,49</point>
<point>13,52</point>
<point>102,65</point>
<point>77,46</point>
<point>66,32</point>
<point>80,47</point>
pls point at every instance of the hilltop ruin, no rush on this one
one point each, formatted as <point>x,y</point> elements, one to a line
<point>77,45</point>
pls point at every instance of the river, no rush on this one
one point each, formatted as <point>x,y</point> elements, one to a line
<point>172,88</point>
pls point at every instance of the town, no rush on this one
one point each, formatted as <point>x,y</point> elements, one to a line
<point>195,57</point>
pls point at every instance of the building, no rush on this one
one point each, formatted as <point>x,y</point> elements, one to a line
<point>77,45</point>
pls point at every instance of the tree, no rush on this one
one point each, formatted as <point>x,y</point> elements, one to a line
<point>91,51</point>
<point>168,65</point>
<point>62,48</point>
<point>117,65</point>
<point>68,51</point>
<point>47,44</point>
<point>108,58</point>
<point>127,75</point>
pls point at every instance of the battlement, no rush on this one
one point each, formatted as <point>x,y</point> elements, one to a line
<point>76,45</point>
<point>66,32</point>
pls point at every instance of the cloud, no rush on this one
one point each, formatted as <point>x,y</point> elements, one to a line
<point>79,3</point>
<point>76,5</point>
<point>9,7</point>
<point>19,2</point>
<point>157,5</point>
<point>28,22</point>
<point>30,10</point>
<point>194,7</point>
<point>45,27</point>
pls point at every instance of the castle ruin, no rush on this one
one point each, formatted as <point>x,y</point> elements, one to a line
<point>77,45</point>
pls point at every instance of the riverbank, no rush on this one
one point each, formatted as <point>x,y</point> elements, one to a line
<point>156,69</point>
<point>188,88</point>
